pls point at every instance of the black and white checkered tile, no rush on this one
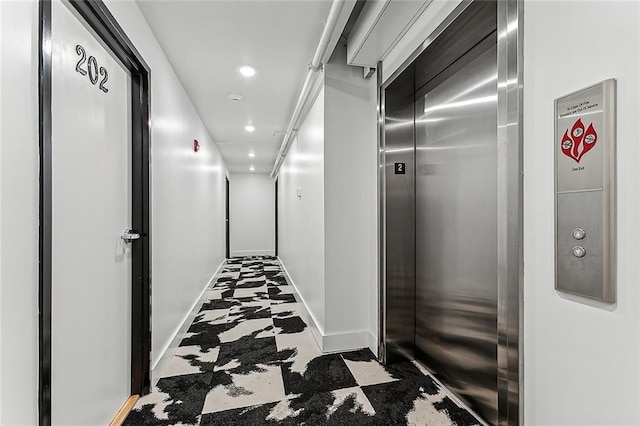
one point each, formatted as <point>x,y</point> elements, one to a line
<point>249,359</point>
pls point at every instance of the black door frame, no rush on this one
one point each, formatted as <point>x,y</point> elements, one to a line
<point>226,220</point>
<point>276,236</point>
<point>98,17</point>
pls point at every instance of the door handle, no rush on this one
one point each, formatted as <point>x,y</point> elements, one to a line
<point>129,235</point>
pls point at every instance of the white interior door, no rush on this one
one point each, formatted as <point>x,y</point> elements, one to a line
<point>91,269</point>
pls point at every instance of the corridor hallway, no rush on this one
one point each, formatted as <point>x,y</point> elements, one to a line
<point>249,358</point>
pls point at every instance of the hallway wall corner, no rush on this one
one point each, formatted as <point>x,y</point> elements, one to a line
<point>163,358</point>
<point>350,209</point>
<point>187,188</point>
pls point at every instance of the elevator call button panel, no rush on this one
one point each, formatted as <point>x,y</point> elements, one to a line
<point>585,179</point>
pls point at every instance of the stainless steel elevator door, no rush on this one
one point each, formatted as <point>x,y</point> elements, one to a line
<point>400,213</point>
<point>456,230</point>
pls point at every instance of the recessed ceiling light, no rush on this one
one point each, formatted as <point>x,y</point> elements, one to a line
<point>252,168</point>
<point>247,71</point>
<point>252,154</point>
<point>237,97</point>
<point>249,128</point>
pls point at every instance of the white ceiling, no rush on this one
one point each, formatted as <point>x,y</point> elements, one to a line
<point>207,41</point>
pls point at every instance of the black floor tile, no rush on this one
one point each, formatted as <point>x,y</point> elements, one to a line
<point>324,373</point>
<point>249,353</point>
<point>183,403</point>
<point>289,325</point>
<point>282,298</point>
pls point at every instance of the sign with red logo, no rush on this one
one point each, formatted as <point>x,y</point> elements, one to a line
<point>578,142</point>
<point>581,140</point>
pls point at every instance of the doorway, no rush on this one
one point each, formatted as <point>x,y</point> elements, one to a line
<point>94,287</point>
<point>276,215</point>
<point>226,219</point>
<point>451,210</point>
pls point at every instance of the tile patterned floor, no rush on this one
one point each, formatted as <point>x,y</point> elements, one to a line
<point>249,359</point>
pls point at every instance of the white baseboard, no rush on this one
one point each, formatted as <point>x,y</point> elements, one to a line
<point>242,253</point>
<point>307,316</point>
<point>373,344</point>
<point>170,349</point>
<point>336,342</point>
<point>342,342</point>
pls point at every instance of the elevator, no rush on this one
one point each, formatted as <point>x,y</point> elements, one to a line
<point>444,197</point>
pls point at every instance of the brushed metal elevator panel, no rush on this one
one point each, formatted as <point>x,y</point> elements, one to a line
<point>456,229</point>
<point>580,275</point>
<point>400,218</point>
<point>585,192</point>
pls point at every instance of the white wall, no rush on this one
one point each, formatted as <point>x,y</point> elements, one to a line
<point>18,213</point>
<point>187,201</point>
<point>301,219</point>
<point>350,212</point>
<point>582,359</point>
<point>188,207</point>
<point>1,192</point>
<point>252,214</point>
<point>333,164</point>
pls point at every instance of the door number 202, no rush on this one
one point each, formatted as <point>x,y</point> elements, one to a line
<point>92,70</point>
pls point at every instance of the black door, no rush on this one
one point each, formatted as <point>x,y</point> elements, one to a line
<point>276,242</point>
<point>228,250</point>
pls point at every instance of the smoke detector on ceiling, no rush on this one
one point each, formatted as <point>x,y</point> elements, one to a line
<point>236,97</point>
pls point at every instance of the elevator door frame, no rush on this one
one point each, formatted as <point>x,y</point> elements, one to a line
<point>510,202</point>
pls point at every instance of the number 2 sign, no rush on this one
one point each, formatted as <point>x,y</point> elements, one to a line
<point>92,68</point>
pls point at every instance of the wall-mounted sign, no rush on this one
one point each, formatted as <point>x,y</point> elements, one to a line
<point>585,191</point>
<point>400,168</point>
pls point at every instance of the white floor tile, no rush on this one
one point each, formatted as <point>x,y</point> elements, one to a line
<point>213,295</point>
<point>249,292</point>
<point>214,316</point>
<point>424,413</point>
<point>305,346</point>
<point>361,400</point>
<point>179,366</point>
<point>246,390</point>
<point>294,308</point>
<point>368,372</point>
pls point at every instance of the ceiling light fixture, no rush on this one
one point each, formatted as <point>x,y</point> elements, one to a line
<point>252,154</point>
<point>247,71</point>
<point>249,128</point>
<point>251,168</point>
